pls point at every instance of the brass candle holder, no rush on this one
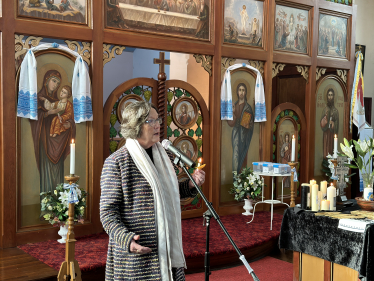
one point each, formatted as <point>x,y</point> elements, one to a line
<point>69,269</point>
<point>293,165</point>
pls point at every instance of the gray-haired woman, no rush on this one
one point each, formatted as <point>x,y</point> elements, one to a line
<point>139,205</point>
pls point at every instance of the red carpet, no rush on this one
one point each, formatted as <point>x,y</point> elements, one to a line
<point>91,250</point>
<point>266,269</point>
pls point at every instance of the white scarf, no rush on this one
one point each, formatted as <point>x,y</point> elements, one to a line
<point>164,184</point>
<point>226,95</point>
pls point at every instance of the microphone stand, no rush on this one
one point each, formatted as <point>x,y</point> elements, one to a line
<point>207,215</point>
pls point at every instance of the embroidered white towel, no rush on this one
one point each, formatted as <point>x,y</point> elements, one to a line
<point>226,95</point>
<point>27,106</point>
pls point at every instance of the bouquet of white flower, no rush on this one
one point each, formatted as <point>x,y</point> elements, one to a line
<point>363,148</point>
<point>246,184</point>
<point>55,205</point>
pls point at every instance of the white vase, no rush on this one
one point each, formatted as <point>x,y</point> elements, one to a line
<point>248,207</point>
<point>63,232</point>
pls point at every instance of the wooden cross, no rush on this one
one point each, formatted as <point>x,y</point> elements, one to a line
<point>341,171</point>
<point>161,61</point>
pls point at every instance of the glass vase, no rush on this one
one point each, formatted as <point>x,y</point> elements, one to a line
<point>368,179</point>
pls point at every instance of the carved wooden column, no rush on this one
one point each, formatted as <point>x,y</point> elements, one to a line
<point>161,92</point>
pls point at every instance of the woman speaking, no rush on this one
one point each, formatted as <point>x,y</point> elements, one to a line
<point>140,202</point>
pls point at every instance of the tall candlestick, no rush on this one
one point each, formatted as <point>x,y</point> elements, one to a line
<point>293,149</point>
<point>312,182</point>
<point>335,146</point>
<point>72,157</point>
<point>324,189</point>
<point>314,197</point>
<point>319,200</point>
<point>331,196</point>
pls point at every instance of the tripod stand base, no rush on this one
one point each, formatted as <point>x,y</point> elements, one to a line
<point>73,273</point>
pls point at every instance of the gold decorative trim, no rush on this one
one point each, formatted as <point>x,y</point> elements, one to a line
<point>320,72</point>
<point>21,47</point>
<point>226,63</point>
<point>277,68</point>
<point>84,52</point>
<point>259,65</point>
<point>342,74</point>
<point>206,62</point>
<point>304,71</point>
<point>108,54</point>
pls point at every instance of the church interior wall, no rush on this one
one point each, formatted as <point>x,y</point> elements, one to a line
<point>139,63</point>
<point>364,24</point>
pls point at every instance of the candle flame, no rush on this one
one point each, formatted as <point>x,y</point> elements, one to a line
<point>200,160</point>
<point>293,136</point>
<point>72,140</point>
<point>335,136</point>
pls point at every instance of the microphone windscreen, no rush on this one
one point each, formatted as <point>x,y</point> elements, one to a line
<point>165,143</point>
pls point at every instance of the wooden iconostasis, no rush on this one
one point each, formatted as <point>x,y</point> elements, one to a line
<point>304,50</point>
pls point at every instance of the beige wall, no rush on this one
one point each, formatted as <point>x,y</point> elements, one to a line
<point>364,32</point>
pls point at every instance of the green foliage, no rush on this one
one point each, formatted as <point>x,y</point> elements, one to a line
<point>195,200</point>
<point>169,132</point>
<point>178,93</point>
<point>128,92</point>
<point>199,132</point>
<point>282,114</point>
<point>187,94</point>
<point>199,143</point>
<point>295,118</point>
<point>112,132</point>
<point>274,128</point>
<point>277,119</point>
<point>113,119</point>
<point>115,105</point>
<point>137,90</point>
<point>170,96</point>
<point>55,205</point>
<point>147,94</point>
<point>169,107</point>
<point>199,120</point>
<point>246,184</point>
<point>176,133</point>
<point>169,119</point>
<point>113,146</point>
<point>191,132</point>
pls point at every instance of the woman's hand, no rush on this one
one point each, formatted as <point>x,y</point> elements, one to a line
<point>135,248</point>
<point>41,98</point>
<point>198,176</point>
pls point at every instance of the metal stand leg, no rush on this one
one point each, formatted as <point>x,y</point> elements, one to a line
<point>207,216</point>
<point>272,204</point>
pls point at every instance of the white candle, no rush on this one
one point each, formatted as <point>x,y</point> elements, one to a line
<point>324,189</point>
<point>314,197</point>
<point>325,205</point>
<point>293,149</point>
<point>319,199</point>
<point>335,146</point>
<point>368,193</point>
<point>312,182</point>
<point>331,196</point>
<point>72,157</point>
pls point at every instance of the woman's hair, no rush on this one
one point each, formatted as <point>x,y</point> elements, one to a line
<point>68,89</point>
<point>133,118</point>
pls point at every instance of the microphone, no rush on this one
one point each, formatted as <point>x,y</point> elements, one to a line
<point>183,157</point>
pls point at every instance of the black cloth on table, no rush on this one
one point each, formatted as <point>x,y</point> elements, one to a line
<point>320,236</point>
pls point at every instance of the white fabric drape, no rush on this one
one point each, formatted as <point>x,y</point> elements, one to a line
<point>164,184</point>
<point>27,106</point>
<point>81,86</point>
<point>226,95</point>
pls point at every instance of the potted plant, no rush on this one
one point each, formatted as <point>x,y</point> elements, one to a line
<point>55,207</point>
<point>247,185</point>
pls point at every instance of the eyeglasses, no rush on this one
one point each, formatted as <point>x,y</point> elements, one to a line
<point>153,122</point>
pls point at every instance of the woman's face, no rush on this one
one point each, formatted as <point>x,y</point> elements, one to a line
<point>150,134</point>
<point>53,84</point>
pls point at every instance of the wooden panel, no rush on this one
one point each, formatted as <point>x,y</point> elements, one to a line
<point>244,53</point>
<point>147,41</point>
<point>312,268</point>
<point>343,273</point>
<point>327,270</point>
<point>281,57</point>
<point>296,266</point>
<point>336,7</point>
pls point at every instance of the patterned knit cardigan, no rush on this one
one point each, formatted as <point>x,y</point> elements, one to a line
<point>127,209</point>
